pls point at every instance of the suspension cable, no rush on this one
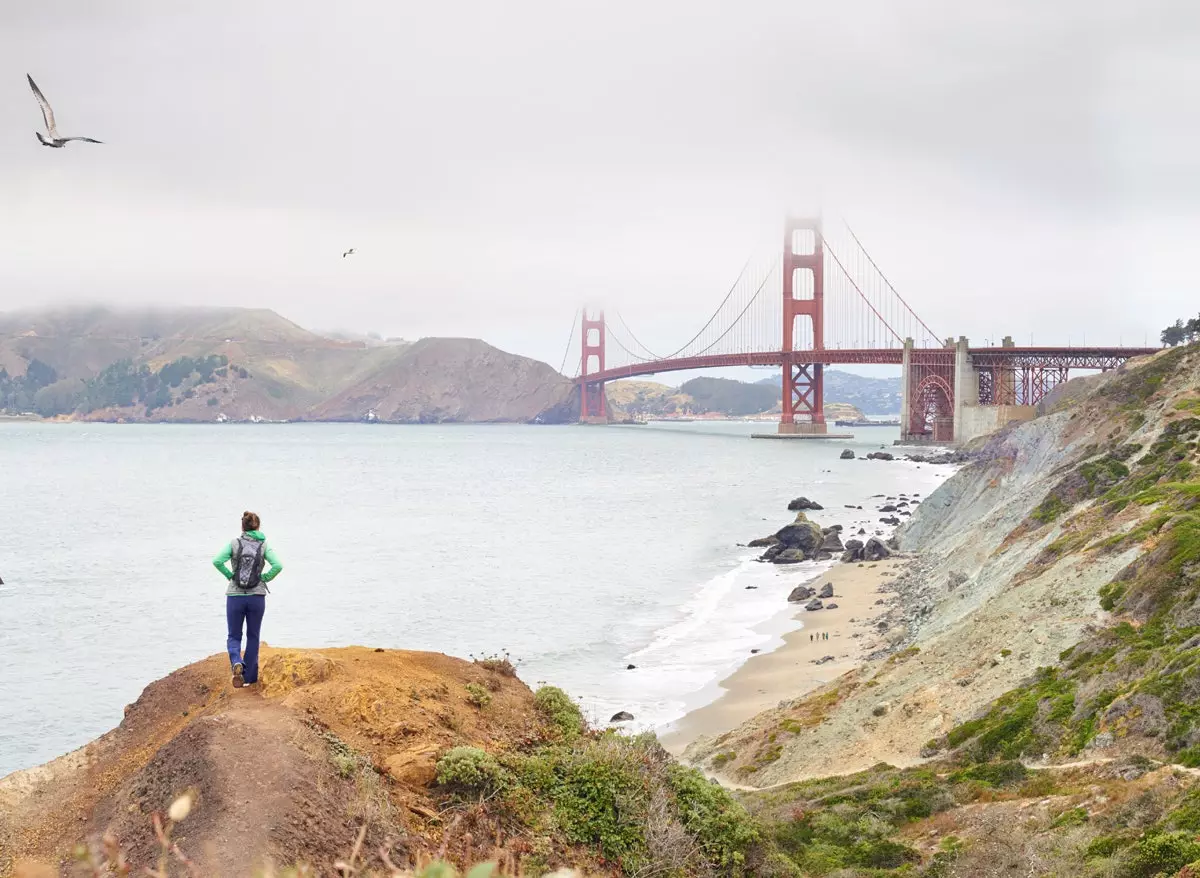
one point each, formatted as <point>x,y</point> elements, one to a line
<point>714,315</point>
<point>838,262</point>
<point>728,329</point>
<point>895,292</point>
<point>637,340</point>
<point>570,338</point>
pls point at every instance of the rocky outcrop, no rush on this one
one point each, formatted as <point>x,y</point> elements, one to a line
<point>881,455</point>
<point>847,454</point>
<point>792,543</point>
<point>802,504</point>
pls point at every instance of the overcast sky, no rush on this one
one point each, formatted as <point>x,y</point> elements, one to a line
<point>1014,167</point>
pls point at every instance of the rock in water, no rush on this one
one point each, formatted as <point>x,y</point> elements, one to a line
<point>788,556</point>
<point>887,507</point>
<point>800,593</point>
<point>801,534</point>
<point>763,542</point>
<point>631,667</point>
<point>854,544</point>
<point>772,553</point>
<point>890,519</point>
<point>847,454</point>
<point>802,503</point>
<point>875,550</point>
<point>826,590</point>
<point>815,604</point>
<point>623,717</point>
<point>880,455</point>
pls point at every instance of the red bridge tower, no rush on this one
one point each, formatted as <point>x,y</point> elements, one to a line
<point>592,407</point>
<point>803,296</point>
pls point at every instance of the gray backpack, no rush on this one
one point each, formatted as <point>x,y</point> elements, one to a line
<point>248,563</point>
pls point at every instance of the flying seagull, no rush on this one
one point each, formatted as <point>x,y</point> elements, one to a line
<point>51,129</point>
<point>349,252</point>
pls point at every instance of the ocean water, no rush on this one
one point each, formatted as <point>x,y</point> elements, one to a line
<point>579,550</point>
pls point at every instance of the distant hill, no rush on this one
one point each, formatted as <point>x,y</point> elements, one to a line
<point>206,364</point>
<point>871,396</point>
<point>706,396</point>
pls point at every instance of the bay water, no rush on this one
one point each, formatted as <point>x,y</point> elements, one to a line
<point>579,550</point>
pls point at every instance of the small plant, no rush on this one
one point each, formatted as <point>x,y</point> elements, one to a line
<point>1005,653</point>
<point>478,696</point>
<point>498,663</point>
<point>469,769</point>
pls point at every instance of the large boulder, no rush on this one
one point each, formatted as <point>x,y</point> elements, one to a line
<point>875,550</point>
<point>800,593</point>
<point>788,556</point>
<point>802,503</point>
<point>832,542</point>
<point>801,534</point>
<point>826,590</point>
<point>847,455</point>
<point>887,507</point>
<point>854,544</point>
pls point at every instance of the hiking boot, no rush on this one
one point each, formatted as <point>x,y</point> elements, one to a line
<point>238,680</point>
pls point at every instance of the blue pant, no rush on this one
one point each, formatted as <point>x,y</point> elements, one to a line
<point>249,609</point>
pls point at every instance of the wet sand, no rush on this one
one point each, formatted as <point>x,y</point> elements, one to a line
<point>791,670</point>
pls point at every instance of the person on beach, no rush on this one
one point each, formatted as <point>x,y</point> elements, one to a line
<point>246,595</point>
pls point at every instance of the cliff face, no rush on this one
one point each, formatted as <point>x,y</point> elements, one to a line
<point>1025,555</point>
<point>202,365</point>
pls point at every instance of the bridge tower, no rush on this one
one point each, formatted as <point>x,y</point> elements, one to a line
<point>803,296</point>
<point>592,406</point>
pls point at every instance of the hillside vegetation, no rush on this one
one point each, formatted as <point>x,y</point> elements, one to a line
<point>245,364</point>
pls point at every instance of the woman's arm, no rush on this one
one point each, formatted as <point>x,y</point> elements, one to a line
<point>273,560</point>
<point>221,562</point>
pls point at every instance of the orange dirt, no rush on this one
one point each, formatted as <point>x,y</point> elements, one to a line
<point>269,766</point>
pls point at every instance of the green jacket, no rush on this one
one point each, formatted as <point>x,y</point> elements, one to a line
<point>221,562</point>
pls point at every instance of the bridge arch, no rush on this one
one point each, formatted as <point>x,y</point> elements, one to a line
<point>933,413</point>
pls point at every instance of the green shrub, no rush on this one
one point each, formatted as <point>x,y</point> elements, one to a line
<point>561,712</point>
<point>1165,853</point>
<point>994,774</point>
<point>1106,846</point>
<point>478,696</point>
<point>469,769</point>
<point>720,824</point>
<point>1070,817</point>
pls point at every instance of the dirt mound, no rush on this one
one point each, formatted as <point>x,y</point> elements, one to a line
<point>287,771</point>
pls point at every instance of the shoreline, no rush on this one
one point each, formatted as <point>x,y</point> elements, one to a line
<point>791,670</point>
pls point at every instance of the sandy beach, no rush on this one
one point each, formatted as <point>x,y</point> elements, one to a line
<point>792,670</point>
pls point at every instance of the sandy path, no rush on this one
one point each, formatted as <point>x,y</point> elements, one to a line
<point>792,669</point>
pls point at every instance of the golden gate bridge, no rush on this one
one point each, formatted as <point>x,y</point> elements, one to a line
<point>824,301</point>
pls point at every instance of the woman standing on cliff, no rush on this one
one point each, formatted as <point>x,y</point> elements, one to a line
<point>246,595</point>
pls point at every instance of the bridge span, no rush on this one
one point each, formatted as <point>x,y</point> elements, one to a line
<point>778,314</point>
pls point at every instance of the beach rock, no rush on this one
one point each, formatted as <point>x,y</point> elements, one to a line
<point>823,660</point>
<point>763,542</point>
<point>772,553</point>
<point>802,503</point>
<point>824,556</point>
<point>832,542</point>
<point>851,555</point>
<point>755,651</point>
<point>788,556</point>
<point>847,454</point>
<point>826,590</point>
<point>623,716</point>
<point>861,531</point>
<point>631,667</point>
<point>853,544</point>
<point>800,593</point>
<point>831,606</point>
<point>887,508</point>
<point>890,519</point>
<point>838,528</point>
<point>815,604</point>
<point>801,534</point>
<point>875,550</point>
<point>880,455</point>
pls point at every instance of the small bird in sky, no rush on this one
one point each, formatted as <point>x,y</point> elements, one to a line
<point>349,252</point>
<point>51,129</point>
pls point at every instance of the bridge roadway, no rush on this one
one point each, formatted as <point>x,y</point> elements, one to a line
<point>1060,357</point>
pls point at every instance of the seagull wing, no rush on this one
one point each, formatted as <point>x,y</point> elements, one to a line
<point>47,113</point>
<point>84,139</point>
